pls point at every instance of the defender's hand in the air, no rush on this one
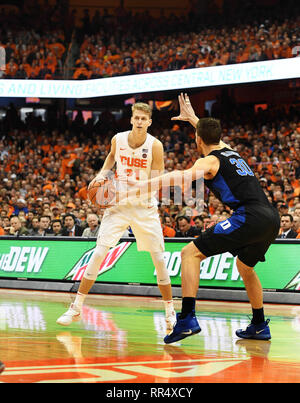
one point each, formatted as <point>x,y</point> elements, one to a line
<point>186,110</point>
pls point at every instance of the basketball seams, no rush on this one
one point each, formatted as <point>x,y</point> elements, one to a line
<point>99,193</point>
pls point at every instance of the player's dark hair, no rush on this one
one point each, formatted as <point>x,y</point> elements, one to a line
<point>209,130</point>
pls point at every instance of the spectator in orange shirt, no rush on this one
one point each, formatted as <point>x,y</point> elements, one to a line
<point>58,48</point>
<point>66,164</point>
<point>34,69</point>
<point>166,226</point>
<point>59,146</point>
<point>11,68</point>
<point>107,69</point>
<point>46,147</point>
<point>243,56</point>
<point>51,58</point>
<point>81,73</point>
<point>294,182</point>
<point>201,62</point>
<point>82,193</point>
<point>73,143</point>
<point>286,50</point>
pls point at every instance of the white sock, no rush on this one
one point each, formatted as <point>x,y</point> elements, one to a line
<point>169,307</point>
<point>79,300</point>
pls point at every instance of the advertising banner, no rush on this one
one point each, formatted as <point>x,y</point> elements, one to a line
<point>65,260</point>
<point>269,70</point>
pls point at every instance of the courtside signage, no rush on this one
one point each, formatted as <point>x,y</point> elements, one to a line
<point>139,83</point>
<point>23,259</point>
<point>63,260</point>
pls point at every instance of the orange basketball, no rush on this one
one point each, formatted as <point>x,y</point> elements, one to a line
<point>101,193</point>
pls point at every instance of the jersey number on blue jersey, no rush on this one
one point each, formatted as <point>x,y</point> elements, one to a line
<point>243,168</point>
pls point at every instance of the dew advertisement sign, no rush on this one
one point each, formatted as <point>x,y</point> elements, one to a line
<point>65,260</point>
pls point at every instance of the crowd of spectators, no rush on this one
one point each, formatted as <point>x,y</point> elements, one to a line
<point>35,40</point>
<point>106,54</point>
<point>44,174</point>
<point>52,43</point>
<point>45,167</point>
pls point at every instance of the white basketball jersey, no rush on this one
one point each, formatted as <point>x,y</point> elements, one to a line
<point>133,164</point>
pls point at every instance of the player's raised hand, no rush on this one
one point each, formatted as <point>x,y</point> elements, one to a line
<point>186,110</point>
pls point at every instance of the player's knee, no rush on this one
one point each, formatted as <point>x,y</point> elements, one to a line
<point>246,274</point>
<point>244,270</point>
<point>100,252</point>
<point>191,251</point>
<point>158,257</point>
<point>92,270</point>
<point>162,274</point>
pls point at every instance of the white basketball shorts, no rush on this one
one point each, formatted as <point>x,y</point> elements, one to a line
<point>144,222</point>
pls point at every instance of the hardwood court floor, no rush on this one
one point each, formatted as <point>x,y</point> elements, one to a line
<point>120,340</point>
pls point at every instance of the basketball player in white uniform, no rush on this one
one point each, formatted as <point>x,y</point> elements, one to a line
<point>137,155</point>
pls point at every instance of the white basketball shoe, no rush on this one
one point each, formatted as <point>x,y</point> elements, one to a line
<point>73,314</point>
<point>170,321</point>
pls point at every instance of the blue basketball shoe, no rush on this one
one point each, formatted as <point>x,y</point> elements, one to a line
<point>257,332</point>
<point>183,328</point>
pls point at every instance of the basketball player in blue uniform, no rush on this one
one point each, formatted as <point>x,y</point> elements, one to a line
<point>247,234</point>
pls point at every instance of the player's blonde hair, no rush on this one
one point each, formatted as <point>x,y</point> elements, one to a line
<point>141,106</point>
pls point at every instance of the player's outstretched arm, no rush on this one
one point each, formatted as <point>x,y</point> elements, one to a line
<point>201,168</point>
<point>143,189</point>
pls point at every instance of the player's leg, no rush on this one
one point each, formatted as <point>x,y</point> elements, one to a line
<point>191,258</point>
<point>165,288</point>
<point>252,284</point>
<point>209,243</point>
<point>147,229</point>
<point>73,314</point>
<point>114,225</point>
<point>262,226</point>
<point>258,328</point>
<point>187,324</point>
